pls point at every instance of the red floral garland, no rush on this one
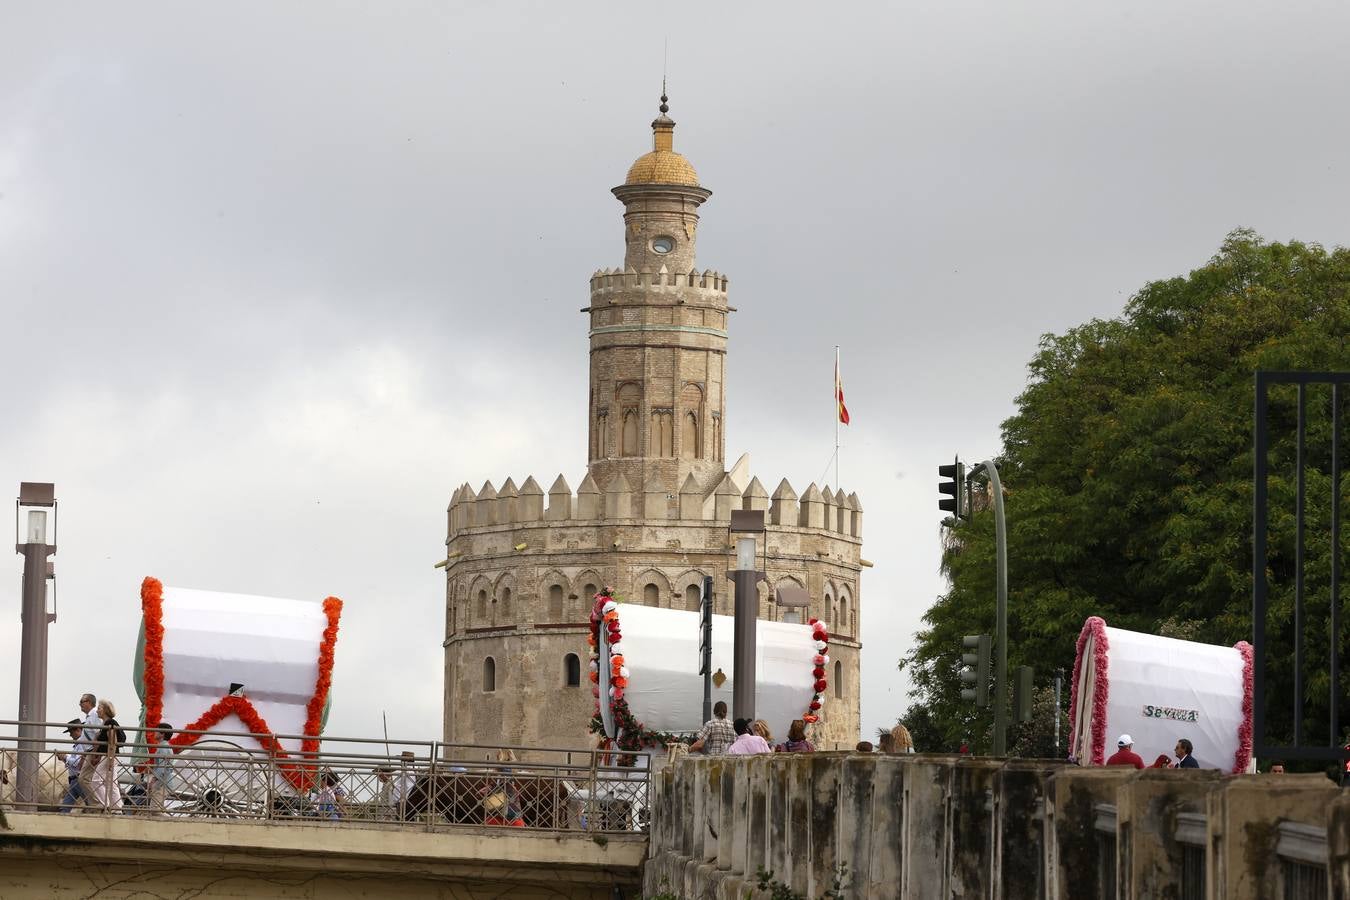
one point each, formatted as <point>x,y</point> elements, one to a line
<point>1094,627</point>
<point>821,635</point>
<point>299,774</point>
<point>633,734</point>
<point>1243,757</point>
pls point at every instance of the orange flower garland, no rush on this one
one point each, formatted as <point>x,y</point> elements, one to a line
<point>299,774</point>
<point>152,611</point>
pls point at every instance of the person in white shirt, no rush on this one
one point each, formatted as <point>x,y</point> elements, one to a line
<point>92,722</point>
<point>747,741</point>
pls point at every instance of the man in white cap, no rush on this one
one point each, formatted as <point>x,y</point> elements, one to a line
<point>1125,756</point>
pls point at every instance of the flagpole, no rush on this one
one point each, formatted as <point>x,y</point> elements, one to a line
<point>836,418</point>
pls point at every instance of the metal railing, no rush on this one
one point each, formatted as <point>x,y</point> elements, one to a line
<point>409,784</point>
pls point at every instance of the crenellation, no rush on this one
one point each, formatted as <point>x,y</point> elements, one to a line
<point>755,497</point>
<point>589,505</point>
<point>812,508</point>
<point>725,499</point>
<point>485,507</point>
<point>530,506</point>
<point>655,500</point>
<point>691,500</point>
<point>559,500</point>
<point>508,498</point>
<point>857,515</point>
<point>783,509</point>
<point>831,509</point>
<point>619,498</point>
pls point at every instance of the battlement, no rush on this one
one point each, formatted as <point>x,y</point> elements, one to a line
<point>606,281</point>
<point>620,501</point>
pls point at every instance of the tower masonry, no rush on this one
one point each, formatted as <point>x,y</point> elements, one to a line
<point>649,517</point>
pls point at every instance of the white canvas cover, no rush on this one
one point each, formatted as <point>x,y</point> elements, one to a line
<point>665,691</point>
<point>269,645</point>
<point>1156,690</point>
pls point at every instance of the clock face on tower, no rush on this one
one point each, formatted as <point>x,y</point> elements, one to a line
<point>663,245</point>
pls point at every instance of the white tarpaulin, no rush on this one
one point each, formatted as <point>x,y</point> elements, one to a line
<point>665,691</point>
<point>268,645</point>
<point>1157,690</point>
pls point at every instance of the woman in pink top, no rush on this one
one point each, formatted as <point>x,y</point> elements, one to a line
<point>747,742</point>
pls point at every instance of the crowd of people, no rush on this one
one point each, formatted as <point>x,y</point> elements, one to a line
<point>745,736</point>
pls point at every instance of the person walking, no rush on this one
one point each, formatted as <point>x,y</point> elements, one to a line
<point>109,739</point>
<point>1185,760</point>
<point>73,760</point>
<point>796,742</point>
<point>747,742</point>
<point>159,777</point>
<point>85,745</point>
<point>1125,755</point>
<point>716,735</point>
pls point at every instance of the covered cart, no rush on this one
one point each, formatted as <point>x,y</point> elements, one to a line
<point>1158,690</point>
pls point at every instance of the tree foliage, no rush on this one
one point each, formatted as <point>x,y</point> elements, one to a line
<point>1127,470</point>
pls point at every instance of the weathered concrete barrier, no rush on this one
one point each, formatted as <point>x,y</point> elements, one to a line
<point>928,826</point>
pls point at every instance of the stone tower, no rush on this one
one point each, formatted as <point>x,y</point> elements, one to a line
<point>658,336</point>
<point>649,517</point>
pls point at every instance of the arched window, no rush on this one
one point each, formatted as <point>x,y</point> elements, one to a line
<point>482,607</point>
<point>489,675</point>
<point>602,435</point>
<point>691,414</point>
<point>555,603</point>
<point>572,670</point>
<point>506,604</point>
<point>838,679</point>
<point>588,599</point>
<point>689,436</point>
<point>829,610</point>
<point>842,625</point>
<point>692,595</point>
<point>630,399</point>
<point>662,433</point>
<point>651,595</point>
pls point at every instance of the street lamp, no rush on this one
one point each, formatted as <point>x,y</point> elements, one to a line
<point>31,508</point>
<point>745,524</point>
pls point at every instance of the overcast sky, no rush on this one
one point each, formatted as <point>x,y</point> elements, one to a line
<point>276,278</point>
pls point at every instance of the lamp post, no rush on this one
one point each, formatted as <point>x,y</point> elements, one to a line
<point>31,507</point>
<point>745,524</point>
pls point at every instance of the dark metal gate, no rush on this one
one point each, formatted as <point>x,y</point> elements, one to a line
<point>1327,392</point>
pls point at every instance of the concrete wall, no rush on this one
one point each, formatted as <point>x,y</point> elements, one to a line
<point>48,855</point>
<point>922,826</point>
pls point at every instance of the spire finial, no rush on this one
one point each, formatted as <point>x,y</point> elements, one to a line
<point>664,99</point>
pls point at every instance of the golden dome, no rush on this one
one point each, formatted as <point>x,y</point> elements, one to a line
<point>661,167</point>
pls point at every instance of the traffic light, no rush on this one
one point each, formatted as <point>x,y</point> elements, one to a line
<point>1022,686</point>
<point>953,484</point>
<point>976,671</point>
<point>705,614</point>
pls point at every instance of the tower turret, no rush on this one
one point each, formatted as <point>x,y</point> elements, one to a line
<point>658,335</point>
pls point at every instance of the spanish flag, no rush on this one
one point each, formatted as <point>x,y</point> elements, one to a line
<point>839,392</point>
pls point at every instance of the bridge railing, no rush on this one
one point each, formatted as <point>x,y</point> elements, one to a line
<point>46,767</point>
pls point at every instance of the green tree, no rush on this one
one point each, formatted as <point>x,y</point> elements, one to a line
<point>1127,470</point>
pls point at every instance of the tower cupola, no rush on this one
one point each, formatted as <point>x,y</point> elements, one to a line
<point>658,338</point>
<point>661,197</point>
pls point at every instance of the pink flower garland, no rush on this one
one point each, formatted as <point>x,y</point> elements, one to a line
<point>1094,627</point>
<point>1243,757</point>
